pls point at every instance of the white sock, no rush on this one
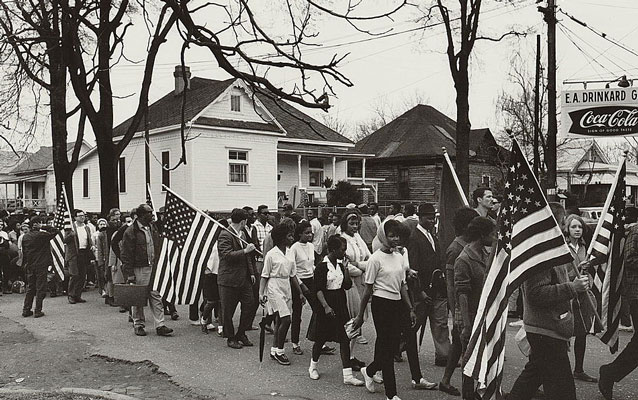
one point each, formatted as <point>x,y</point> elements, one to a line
<point>273,351</point>
<point>313,364</point>
<point>280,351</point>
<point>347,372</point>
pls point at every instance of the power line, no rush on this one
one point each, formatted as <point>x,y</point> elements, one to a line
<point>566,29</point>
<point>597,32</point>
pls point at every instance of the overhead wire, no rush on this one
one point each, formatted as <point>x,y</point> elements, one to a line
<point>599,33</point>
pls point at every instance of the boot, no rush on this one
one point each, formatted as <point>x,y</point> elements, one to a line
<point>312,370</point>
<point>349,379</point>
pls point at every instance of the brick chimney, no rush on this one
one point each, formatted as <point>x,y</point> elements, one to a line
<point>179,79</point>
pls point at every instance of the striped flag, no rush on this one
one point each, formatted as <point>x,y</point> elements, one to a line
<point>529,241</point>
<point>188,239</point>
<point>607,254</point>
<point>61,222</point>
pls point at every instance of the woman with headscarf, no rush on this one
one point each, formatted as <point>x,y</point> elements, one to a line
<point>385,280</point>
<point>358,254</point>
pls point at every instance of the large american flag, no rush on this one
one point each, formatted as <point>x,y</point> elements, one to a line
<point>188,239</point>
<point>529,241</point>
<point>607,254</point>
<point>61,222</point>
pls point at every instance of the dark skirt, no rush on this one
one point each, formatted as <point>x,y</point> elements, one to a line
<point>324,328</point>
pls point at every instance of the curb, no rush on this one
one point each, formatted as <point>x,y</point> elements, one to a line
<point>88,392</point>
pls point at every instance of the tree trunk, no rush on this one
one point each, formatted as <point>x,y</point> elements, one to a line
<point>463,128</point>
<point>57,95</point>
<point>109,185</point>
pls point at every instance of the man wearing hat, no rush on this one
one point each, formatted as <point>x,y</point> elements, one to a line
<point>425,257</point>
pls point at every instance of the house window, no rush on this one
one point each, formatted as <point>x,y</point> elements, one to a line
<point>237,166</point>
<point>235,103</point>
<point>315,172</point>
<point>85,183</point>
<point>34,190</point>
<point>485,181</point>
<point>403,184</point>
<point>121,169</point>
<point>166,174</point>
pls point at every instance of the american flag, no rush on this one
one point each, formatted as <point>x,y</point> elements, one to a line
<point>188,239</point>
<point>529,241</point>
<point>607,254</point>
<point>61,222</point>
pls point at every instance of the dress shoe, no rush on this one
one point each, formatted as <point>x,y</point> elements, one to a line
<point>27,313</point>
<point>163,331</point>
<point>423,384</point>
<point>71,300</point>
<point>233,344</point>
<point>38,314</point>
<point>174,316</point>
<point>449,389</point>
<point>327,350</point>
<point>244,341</point>
<point>139,331</point>
<point>605,382</point>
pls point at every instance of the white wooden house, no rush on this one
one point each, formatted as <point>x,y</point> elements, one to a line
<point>241,149</point>
<point>31,183</point>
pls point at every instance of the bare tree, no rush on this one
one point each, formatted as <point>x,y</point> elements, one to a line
<point>33,46</point>
<point>462,32</point>
<point>94,31</point>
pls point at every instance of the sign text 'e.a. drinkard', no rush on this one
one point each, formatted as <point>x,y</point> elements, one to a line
<point>600,112</point>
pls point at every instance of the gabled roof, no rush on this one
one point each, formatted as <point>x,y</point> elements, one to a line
<point>38,161</point>
<point>577,152</point>
<point>167,111</point>
<point>9,160</point>
<point>421,132</point>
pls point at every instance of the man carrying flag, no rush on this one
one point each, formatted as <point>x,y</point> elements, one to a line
<point>531,249</point>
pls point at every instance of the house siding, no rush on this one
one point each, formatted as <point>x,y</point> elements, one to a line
<point>221,108</point>
<point>210,177</point>
<point>424,181</point>
<point>135,177</point>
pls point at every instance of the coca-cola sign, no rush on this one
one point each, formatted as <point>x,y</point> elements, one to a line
<point>600,112</point>
<point>604,121</point>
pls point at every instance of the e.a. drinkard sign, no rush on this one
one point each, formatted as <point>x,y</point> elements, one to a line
<point>599,112</point>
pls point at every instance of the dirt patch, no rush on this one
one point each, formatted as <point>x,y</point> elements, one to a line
<point>38,363</point>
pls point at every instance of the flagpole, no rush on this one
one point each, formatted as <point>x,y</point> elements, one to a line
<point>456,178</point>
<point>208,216</point>
<point>601,219</point>
<point>150,196</point>
<point>66,202</point>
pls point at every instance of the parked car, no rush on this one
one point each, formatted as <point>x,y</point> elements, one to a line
<point>591,212</point>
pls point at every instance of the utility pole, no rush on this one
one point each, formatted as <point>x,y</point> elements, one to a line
<point>549,15</point>
<point>537,101</point>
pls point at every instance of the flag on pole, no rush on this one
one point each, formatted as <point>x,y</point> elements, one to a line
<point>149,200</point>
<point>606,252</point>
<point>451,199</point>
<point>61,222</point>
<point>529,241</point>
<point>188,239</point>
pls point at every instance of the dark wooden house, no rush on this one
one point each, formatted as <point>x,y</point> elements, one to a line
<point>409,156</point>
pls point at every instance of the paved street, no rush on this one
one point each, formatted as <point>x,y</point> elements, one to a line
<point>202,365</point>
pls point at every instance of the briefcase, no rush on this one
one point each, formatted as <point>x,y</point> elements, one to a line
<point>130,295</point>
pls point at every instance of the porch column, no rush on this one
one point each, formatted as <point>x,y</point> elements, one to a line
<point>363,171</point>
<point>334,170</point>
<point>299,171</point>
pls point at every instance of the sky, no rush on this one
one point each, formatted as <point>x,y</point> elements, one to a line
<point>393,71</point>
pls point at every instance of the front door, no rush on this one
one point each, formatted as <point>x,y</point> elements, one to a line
<point>35,186</point>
